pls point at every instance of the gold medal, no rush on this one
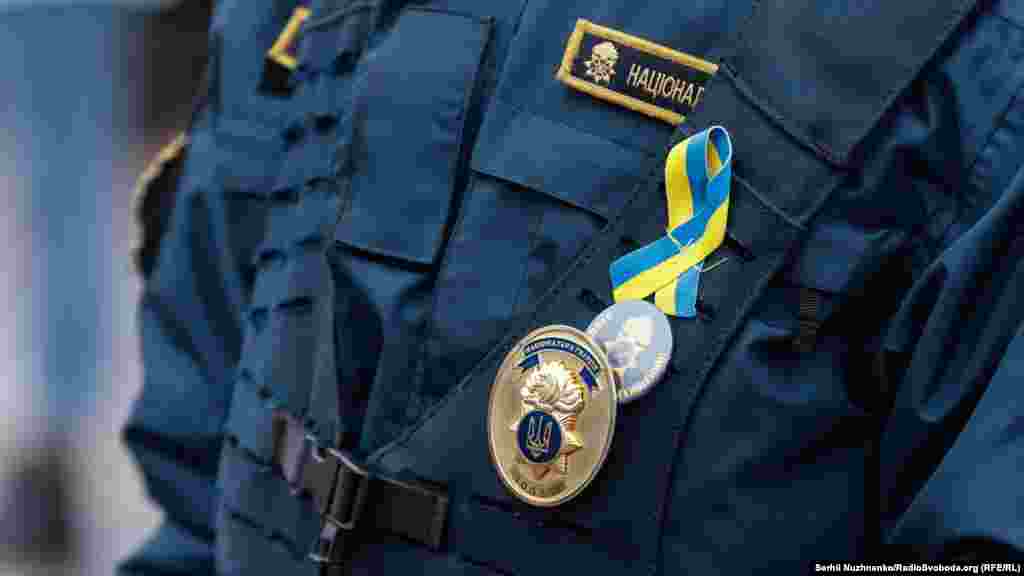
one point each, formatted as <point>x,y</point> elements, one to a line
<point>552,415</point>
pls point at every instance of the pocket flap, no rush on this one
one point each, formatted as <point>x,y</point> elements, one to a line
<point>411,98</point>
<point>583,170</point>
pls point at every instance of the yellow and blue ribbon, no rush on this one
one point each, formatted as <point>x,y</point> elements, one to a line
<point>698,172</point>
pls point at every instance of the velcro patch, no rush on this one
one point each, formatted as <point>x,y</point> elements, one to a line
<point>633,72</point>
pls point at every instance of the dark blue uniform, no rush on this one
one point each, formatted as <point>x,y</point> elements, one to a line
<point>358,256</point>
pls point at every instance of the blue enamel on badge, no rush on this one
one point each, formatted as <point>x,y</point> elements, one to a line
<point>540,437</point>
<point>552,415</point>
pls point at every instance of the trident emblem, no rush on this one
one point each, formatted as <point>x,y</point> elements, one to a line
<point>555,391</point>
<point>537,441</point>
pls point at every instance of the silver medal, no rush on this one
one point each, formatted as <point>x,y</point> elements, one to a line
<point>637,339</point>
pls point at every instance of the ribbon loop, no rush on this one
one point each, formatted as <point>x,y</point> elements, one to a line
<point>698,173</point>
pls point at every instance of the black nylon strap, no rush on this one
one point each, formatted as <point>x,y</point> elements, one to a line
<point>415,512</point>
<point>351,502</point>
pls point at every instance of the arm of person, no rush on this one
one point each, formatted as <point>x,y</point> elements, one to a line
<point>173,429</point>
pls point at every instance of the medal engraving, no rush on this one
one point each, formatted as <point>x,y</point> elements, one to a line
<point>551,415</point>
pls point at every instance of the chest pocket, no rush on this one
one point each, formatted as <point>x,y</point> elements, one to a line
<point>550,169</point>
<point>403,131</point>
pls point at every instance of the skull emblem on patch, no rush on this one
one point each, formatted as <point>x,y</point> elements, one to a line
<point>601,66</point>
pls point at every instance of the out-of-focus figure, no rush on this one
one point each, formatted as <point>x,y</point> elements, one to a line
<point>91,92</point>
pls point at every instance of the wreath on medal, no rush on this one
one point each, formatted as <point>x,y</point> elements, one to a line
<point>553,397</point>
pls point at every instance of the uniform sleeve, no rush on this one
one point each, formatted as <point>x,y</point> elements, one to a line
<point>190,333</point>
<point>950,453</point>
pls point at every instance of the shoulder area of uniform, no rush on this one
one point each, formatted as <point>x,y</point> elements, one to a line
<point>153,200</point>
<point>170,151</point>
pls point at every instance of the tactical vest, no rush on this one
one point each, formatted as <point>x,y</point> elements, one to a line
<point>391,212</point>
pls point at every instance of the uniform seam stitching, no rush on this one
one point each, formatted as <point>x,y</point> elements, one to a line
<point>793,128</point>
<point>766,202</point>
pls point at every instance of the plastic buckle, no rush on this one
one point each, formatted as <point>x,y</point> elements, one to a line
<point>342,509</point>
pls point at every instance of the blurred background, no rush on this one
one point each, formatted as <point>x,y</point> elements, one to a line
<point>89,92</point>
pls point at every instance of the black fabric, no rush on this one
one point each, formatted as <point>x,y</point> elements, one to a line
<point>414,512</point>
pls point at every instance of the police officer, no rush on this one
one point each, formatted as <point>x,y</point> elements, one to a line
<point>382,199</point>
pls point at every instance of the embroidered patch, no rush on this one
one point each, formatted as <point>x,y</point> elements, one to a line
<point>633,72</point>
<point>283,50</point>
